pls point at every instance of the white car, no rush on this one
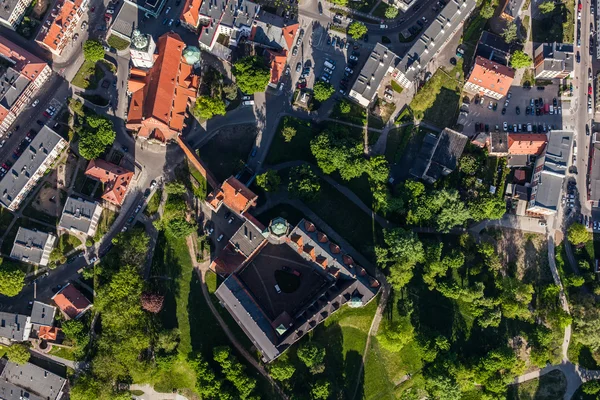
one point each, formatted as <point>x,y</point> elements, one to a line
<point>348,70</point>
<point>328,71</point>
<point>35,102</point>
<point>171,22</point>
<point>220,237</point>
<point>383,26</point>
<point>506,103</point>
<point>505,126</point>
<point>93,260</point>
<point>2,143</point>
<point>110,11</point>
<point>167,10</point>
<point>324,79</point>
<point>509,95</point>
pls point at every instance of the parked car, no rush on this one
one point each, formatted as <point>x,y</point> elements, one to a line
<point>299,67</point>
<point>167,10</point>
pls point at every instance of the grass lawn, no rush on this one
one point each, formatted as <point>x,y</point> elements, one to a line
<point>360,186</point>
<point>551,386</point>
<point>153,203</point>
<point>62,353</point>
<point>104,223</point>
<point>199,184</point>
<point>88,76</point>
<point>397,141</point>
<point>117,42</point>
<point>68,242</point>
<point>379,11</point>
<point>437,101</point>
<point>298,148</point>
<point>396,86</point>
<point>6,218</point>
<point>357,114</point>
<point>236,143</point>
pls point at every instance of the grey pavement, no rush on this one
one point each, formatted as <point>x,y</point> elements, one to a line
<point>151,394</point>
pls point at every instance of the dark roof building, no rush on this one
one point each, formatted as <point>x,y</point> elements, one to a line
<point>512,9</point>
<point>554,60</point>
<point>271,311</point>
<point>439,155</point>
<point>12,12</point>
<point>14,327</point>
<point>493,47</point>
<point>127,21</point>
<point>80,216</point>
<point>151,7</point>
<point>33,246</point>
<point>42,314</point>
<point>28,381</point>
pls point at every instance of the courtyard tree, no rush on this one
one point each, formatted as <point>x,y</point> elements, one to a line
<point>591,387</point>
<point>18,353</point>
<point>357,30</point>
<point>547,7</point>
<point>12,279</point>
<point>487,207</point>
<point>336,149</point>
<point>282,370</point>
<point>207,107</point>
<point>344,105</point>
<point>391,12</point>
<point>313,356</point>
<point>231,91</point>
<point>510,33</point>
<point>519,59</point>
<point>175,188</point>
<point>321,390</point>
<point>98,133</point>
<point>304,183</point>
<point>268,181</point>
<point>93,50</point>
<point>288,133</point>
<point>323,90</point>
<point>251,73</point>
<point>578,233</point>
<point>487,11</point>
<point>469,164</point>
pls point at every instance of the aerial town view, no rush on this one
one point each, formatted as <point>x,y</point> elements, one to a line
<point>299,199</point>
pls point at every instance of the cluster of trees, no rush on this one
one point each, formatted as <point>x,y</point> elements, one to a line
<point>578,234</point>
<point>93,50</point>
<point>519,59</point>
<point>357,30</point>
<point>95,132</point>
<point>323,90</point>
<point>391,12</point>
<point>12,279</point>
<point>251,74</point>
<point>78,333</point>
<point>269,181</point>
<point>304,183</point>
<point>18,353</point>
<point>175,221</point>
<point>211,102</point>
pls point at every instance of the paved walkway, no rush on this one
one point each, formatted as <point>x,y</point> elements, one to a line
<point>151,394</point>
<point>76,365</point>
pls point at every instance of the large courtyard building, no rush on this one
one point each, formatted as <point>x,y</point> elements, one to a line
<point>12,12</point>
<point>30,167</point>
<point>21,76</point>
<point>60,24</point>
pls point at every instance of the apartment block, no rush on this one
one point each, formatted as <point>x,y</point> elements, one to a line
<point>60,24</point>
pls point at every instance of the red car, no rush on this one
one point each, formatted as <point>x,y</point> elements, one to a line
<point>579,6</point>
<point>589,88</point>
<point>301,85</point>
<point>92,9</point>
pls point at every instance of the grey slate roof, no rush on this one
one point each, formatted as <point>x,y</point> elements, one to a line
<point>28,164</point>
<point>493,47</point>
<point>267,31</point>
<point>513,8</point>
<point>127,20</point>
<point>426,47</point>
<point>32,246</point>
<point>152,6</point>
<point>558,151</point>
<point>439,154</point>
<point>12,85</point>
<point>379,62</point>
<point>499,142</point>
<point>229,13</point>
<point>14,326</point>
<point>556,56</point>
<point>78,214</point>
<point>42,314</point>
<point>28,381</point>
<point>247,238</point>
<point>6,8</point>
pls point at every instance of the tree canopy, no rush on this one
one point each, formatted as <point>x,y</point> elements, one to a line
<point>269,181</point>
<point>510,33</point>
<point>487,11</point>
<point>12,279</point>
<point>304,183</point>
<point>520,60</point>
<point>357,30</point>
<point>251,74</point>
<point>95,136</point>
<point>207,107</point>
<point>18,353</point>
<point>578,233</point>
<point>93,50</point>
<point>547,7</point>
<point>391,12</point>
<point>323,90</point>
<point>336,150</point>
<point>313,356</point>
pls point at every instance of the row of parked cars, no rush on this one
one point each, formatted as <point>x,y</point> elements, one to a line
<point>506,127</point>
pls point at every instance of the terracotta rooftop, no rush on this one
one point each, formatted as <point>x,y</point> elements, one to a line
<point>278,63</point>
<point>116,179</point>
<point>59,21</point>
<point>71,301</point>
<point>526,143</point>
<point>491,75</point>
<point>190,12</point>
<point>29,65</point>
<point>234,194</point>
<point>48,332</point>
<point>161,95</point>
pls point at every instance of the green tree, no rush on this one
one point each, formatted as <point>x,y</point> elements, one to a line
<point>304,183</point>
<point>268,181</point>
<point>487,207</point>
<point>335,149</point>
<point>18,353</point>
<point>282,370</point>
<point>207,107</point>
<point>357,30</point>
<point>443,388</point>
<point>401,246</point>
<point>322,90</point>
<point>396,333</point>
<point>515,298</point>
<point>547,7</point>
<point>469,164</point>
<point>451,210</point>
<point>487,11</point>
<point>288,133</point>
<point>520,60</point>
<point>320,390</point>
<point>313,356</point>
<point>234,371</point>
<point>93,50</point>
<point>251,74</point>
<point>510,33</point>
<point>344,105</point>
<point>591,387</point>
<point>578,233</point>
<point>391,12</point>
<point>175,188</point>
<point>12,279</point>
<point>231,91</point>
<point>96,136</point>
<point>342,3</point>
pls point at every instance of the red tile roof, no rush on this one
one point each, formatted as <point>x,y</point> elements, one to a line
<point>278,63</point>
<point>190,14</point>
<point>491,75</point>
<point>71,301</point>
<point>526,143</point>
<point>54,36</point>
<point>234,194</point>
<point>48,332</point>
<point>160,97</point>
<point>115,178</point>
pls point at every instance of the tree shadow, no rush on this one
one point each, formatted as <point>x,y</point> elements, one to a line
<point>164,272</point>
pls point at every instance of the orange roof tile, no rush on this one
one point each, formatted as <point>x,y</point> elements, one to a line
<point>60,17</point>
<point>491,75</point>
<point>158,108</point>
<point>288,33</point>
<point>48,332</point>
<point>71,301</point>
<point>116,179</point>
<point>190,14</point>
<point>526,143</point>
<point>29,65</point>
<point>234,194</point>
<point>278,63</point>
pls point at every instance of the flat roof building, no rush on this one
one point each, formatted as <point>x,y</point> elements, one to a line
<point>554,60</point>
<point>12,12</point>
<point>32,246</point>
<point>151,7</point>
<point>127,20</point>
<point>80,216</point>
<point>28,381</point>
<point>439,155</point>
<point>42,314</point>
<point>493,47</point>
<point>22,177</point>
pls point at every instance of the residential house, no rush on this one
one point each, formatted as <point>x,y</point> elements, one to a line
<point>21,76</point>
<point>12,12</point>
<point>439,155</point>
<point>126,21</point>
<point>14,328</point>
<point>71,302</point>
<point>234,195</point>
<point>22,177</point>
<point>412,67</point>
<point>42,321</point>
<point>80,216</point>
<point>554,60</point>
<point>30,382</point>
<point>190,14</point>
<point>381,61</point>
<point>60,24</point>
<point>33,246</point>
<point>161,95</point>
<point>488,78</point>
<point>528,144</point>
<point>549,173</point>
<point>116,179</point>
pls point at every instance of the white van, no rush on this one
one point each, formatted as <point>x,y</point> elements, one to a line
<point>551,109</point>
<point>277,289</point>
<point>248,103</point>
<point>329,65</point>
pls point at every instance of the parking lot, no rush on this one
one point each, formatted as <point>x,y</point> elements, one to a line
<point>224,222</point>
<point>520,97</point>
